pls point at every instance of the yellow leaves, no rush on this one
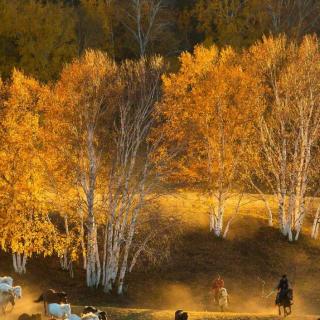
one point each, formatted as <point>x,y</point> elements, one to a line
<point>22,168</point>
<point>211,99</point>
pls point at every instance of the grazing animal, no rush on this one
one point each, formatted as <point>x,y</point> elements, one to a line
<point>6,298</point>
<point>88,309</point>
<point>61,311</point>
<point>90,316</point>
<point>223,299</point>
<point>180,315</point>
<point>51,296</point>
<point>102,315</point>
<point>6,288</point>
<point>7,280</point>
<point>285,302</point>
<point>26,316</point>
<point>16,291</point>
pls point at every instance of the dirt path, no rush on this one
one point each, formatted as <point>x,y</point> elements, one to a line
<point>148,314</point>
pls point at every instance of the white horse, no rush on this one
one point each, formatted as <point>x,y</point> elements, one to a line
<point>6,298</point>
<point>7,280</point>
<point>223,299</point>
<point>61,311</point>
<point>16,291</point>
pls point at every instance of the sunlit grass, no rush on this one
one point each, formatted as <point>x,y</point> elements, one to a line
<point>192,208</point>
<point>148,314</point>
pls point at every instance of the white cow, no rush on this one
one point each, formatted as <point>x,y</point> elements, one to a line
<point>61,311</point>
<point>7,280</point>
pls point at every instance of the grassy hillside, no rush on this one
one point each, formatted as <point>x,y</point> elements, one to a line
<point>252,251</point>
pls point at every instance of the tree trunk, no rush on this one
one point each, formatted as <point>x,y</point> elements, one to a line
<point>282,214</point>
<point>127,248</point>
<point>315,226</point>
<point>19,263</point>
<point>64,259</point>
<point>218,223</point>
<point>82,239</point>
<point>93,262</point>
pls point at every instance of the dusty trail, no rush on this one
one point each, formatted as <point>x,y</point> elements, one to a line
<point>257,311</point>
<point>25,305</point>
<point>28,306</point>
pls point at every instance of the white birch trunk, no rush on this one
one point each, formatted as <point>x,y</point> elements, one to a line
<point>218,223</point>
<point>315,226</point>
<point>82,241</point>
<point>64,259</point>
<point>211,219</point>
<point>19,263</point>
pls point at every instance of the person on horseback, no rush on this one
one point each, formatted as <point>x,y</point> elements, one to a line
<point>283,288</point>
<point>217,284</point>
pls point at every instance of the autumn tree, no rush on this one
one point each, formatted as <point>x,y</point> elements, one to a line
<point>86,95</point>
<point>237,23</point>
<point>27,228</point>
<point>295,18</point>
<point>289,127</point>
<point>36,37</point>
<point>132,177</point>
<point>206,109</point>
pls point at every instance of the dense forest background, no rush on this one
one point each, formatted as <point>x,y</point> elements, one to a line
<point>40,36</point>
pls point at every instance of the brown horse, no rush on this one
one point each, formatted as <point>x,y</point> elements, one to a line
<point>26,316</point>
<point>285,301</point>
<point>51,296</point>
<point>5,299</point>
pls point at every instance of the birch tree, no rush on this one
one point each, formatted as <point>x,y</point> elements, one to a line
<point>143,19</point>
<point>87,90</point>
<point>295,18</point>
<point>289,129</point>
<point>206,108</point>
<point>131,176</point>
<point>26,228</point>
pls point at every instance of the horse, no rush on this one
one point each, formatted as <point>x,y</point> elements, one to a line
<point>51,296</point>
<point>285,301</point>
<point>26,316</point>
<point>90,309</point>
<point>6,298</point>
<point>223,299</point>
<point>180,315</point>
<point>7,280</point>
<point>90,316</point>
<point>102,315</point>
<point>61,311</point>
<point>6,288</point>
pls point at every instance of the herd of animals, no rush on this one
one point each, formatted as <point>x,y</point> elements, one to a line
<point>56,305</point>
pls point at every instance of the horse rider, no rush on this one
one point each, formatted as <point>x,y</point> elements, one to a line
<point>217,284</point>
<point>282,288</point>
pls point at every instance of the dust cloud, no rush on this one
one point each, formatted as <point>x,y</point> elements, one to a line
<point>180,296</point>
<point>175,296</point>
<point>25,305</point>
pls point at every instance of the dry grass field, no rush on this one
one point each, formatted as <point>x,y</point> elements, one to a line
<point>251,252</point>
